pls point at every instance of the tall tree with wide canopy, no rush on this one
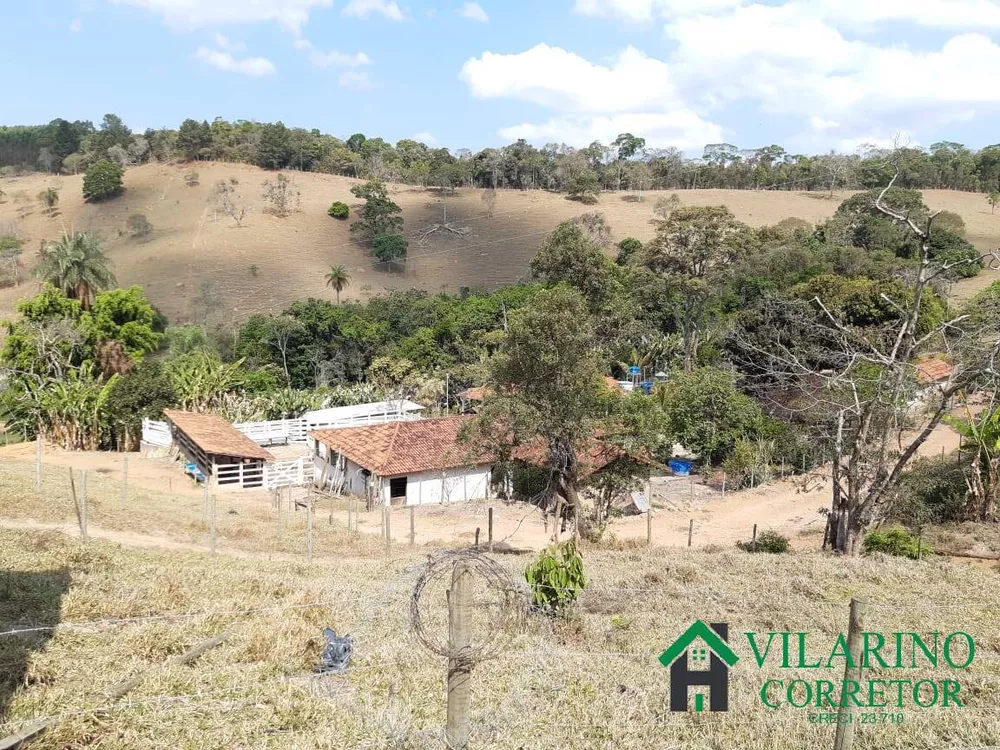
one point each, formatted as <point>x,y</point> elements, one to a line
<point>77,265</point>
<point>693,249</point>
<point>547,391</point>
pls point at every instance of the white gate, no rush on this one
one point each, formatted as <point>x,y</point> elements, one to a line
<point>289,473</point>
<point>156,433</point>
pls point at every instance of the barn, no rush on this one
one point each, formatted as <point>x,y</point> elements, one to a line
<point>401,463</point>
<point>226,456</point>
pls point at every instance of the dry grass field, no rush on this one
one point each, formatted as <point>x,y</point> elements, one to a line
<point>270,261</point>
<point>590,682</point>
<point>108,612</point>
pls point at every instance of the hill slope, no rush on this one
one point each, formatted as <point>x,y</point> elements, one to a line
<point>197,263</point>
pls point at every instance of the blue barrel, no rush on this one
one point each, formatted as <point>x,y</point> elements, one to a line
<point>680,466</point>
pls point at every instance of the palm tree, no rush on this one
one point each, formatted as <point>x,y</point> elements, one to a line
<point>76,265</point>
<point>339,279</point>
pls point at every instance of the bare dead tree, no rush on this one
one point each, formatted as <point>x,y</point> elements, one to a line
<point>229,202</point>
<point>857,386</point>
<point>445,226</point>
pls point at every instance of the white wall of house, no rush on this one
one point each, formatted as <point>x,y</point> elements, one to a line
<point>450,486</point>
<point>424,488</point>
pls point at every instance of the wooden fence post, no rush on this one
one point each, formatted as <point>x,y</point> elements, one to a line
<point>459,727</point>
<point>204,502</point>
<point>388,529</point>
<point>211,537</point>
<point>38,464</point>
<point>413,528</point>
<point>753,542</point>
<point>83,503</point>
<point>309,527</point>
<point>489,529</point>
<point>723,485</point>
<point>844,739</point>
<point>382,530</point>
<point>690,531</point>
<point>124,480</point>
<point>649,526</point>
<point>80,517</point>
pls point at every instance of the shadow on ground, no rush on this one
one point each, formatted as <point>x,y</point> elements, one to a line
<point>28,599</point>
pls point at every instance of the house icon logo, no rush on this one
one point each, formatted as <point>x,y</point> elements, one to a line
<point>687,657</point>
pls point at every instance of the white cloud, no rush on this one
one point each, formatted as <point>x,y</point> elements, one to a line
<point>76,25</point>
<point>224,43</point>
<point>636,11</point>
<point>562,80</point>
<point>474,12</point>
<point>333,58</point>
<point>362,8</point>
<point>191,14</point>
<point>249,66</point>
<point>353,79</point>
<point>800,58</point>
<point>818,123</point>
<point>635,93</point>
<point>952,14</point>
<point>424,137</point>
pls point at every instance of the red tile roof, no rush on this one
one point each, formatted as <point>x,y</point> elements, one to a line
<point>594,455</point>
<point>400,448</point>
<point>216,436</point>
<point>933,370</point>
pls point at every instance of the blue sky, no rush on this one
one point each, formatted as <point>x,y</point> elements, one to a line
<point>811,75</point>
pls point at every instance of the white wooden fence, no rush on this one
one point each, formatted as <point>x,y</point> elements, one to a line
<point>289,473</point>
<point>156,433</point>
<point>277,431</point>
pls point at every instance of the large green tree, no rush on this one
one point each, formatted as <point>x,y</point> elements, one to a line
<point>692,251</point>
<point>102,180</point>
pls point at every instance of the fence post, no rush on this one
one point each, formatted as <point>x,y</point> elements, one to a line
<point>211,537</point>
<point>844,739</point>
<point>124,480</point>
<point>489,528</point>
<point>204,502</point>
<point>413,531</point>
<point>690,531</point>
<point>649,526</point>
<point>38,464</point>
<point>753,542</point>
<point>382,531</point>
<point>388,529</point>
<point>76,506</point>
<point>83,503</point>
<point>459,727</point>
<point>723,485</point>
<point>309,526</point>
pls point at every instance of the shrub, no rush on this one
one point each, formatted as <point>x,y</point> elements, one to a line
<point>49,198</point>
<point>191,179</point>
<point>102,180</point>
<point>556,578</point>
<point>339,210</point>
<point>932,491</point>
<point>139,226</point>
<point>897,542</point>
<point>390,247</point>
<point>768,541</point>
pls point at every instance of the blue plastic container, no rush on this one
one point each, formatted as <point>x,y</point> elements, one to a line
<point>680,466</point>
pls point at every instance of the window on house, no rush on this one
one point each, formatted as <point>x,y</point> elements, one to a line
<point>397,487</point>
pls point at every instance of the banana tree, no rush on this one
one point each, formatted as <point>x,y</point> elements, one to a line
<point>982,474</point>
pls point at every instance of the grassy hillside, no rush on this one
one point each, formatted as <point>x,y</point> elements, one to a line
<point>590,682</point>
<point>197,260</point>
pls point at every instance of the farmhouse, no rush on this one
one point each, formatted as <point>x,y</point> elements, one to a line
<point>222,453</point>
<point>401,463</point>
